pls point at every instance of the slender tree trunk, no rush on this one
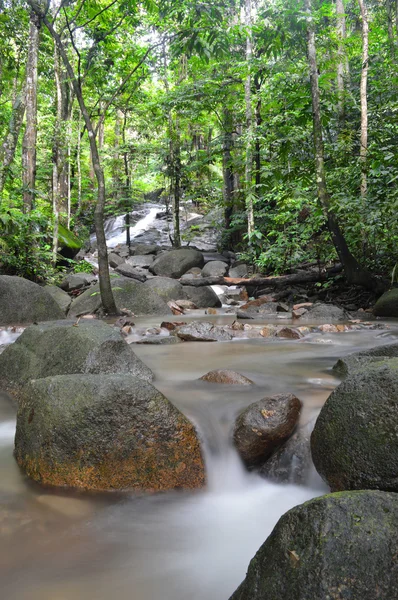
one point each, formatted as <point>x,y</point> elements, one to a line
<point>353,271</point>
<point>79,163</point>
<point>10,140</point>
<point>249,123</point>
<point>257,145</point>
<point>30,136</point>
<point>228,175</point>
<point>107,299</point>
<point>342,65</point>
<point>364,99</point>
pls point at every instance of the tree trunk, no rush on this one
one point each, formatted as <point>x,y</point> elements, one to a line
<point>249,123</point>
<point>364,99</point>
<point>10,140</point>
<point>30,136</point>
<point>228,175</point>
<point>353,271</point>
<point>342,65</point>
<point>107,299</point>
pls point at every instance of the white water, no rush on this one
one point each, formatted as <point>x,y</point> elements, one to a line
<point>142,225</point>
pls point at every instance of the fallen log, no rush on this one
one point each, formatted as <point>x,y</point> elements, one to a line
<point>272,281</point>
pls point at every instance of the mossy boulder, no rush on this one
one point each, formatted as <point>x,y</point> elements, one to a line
<point>340,546</point>
<point>22,301</point>
<point>359,360</point>
<point>105,432</point>
<point>177,262</point>
<point>166,287</point>
<point>354,444</point>
<point>63,347</point>
<point>387,305</point>
<point>128,293</point>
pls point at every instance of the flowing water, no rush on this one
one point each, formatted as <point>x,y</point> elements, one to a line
<point>57,545</point>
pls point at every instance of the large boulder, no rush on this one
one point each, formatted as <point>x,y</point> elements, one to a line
<point>265,425</point>
<point>203,297</point>
<point>355,440</point>
<point>340,546</point>
<point>76,281</point>
<point>215,268</point>
<point>203,332</point>
<point>128,270</point>
<point>324,312</point>
<point>63,347</point>
<point>143,261</point>
<point>61,298</point>
<point>387,305</point>
<point>105,432</point>
<point>358,360</point>
<point>22,301</point>
<point>128,293</point>
<point>166,287</point>
<point>177,262</point>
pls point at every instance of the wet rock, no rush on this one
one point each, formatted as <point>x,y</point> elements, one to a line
<point>60,347</point>
<point>186,304</point>
<point>236,326</point>
<point>289,333</point>
<point>76,281</point>
<point>322,312</point>
<point>299,312</point>
<point>128,270</point>
<point>158,340</point>
<point>328,328</point>
<point>387,305</point>
<point>256,309</point>
<point>340,546</point>
<point>226,376</point>
<point>203,297</point>
<point>143,249</point>
<point>22,301</point>
<point>128,293</point>
<point>144,261</point>
<point>115,260</point>
<point>61,298</point>
<point>354,442</point>
<point>170,326</point>
<point>306,305</point>
<point>269,331</point>
<point>239,271</point>
<point>177,262</point>
<point>358,360</point>
<point>166,288</point>
<point>265,425</point>
<point>215,268</point>
<point>105,432</point>
<point>203,332</point>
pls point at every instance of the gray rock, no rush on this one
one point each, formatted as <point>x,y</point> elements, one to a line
<point>166,287</point>
<point>144,261</point>
<point>340,546</point>
<point>61,298</point>
<point>203,297</point>
<point>215,268</point>
<point>265,425</point>
<point>105,432</point>
<point>75,281</point>
<point>203,332</point>
<point>226,376</point>
<point>215,256</point>
<point>22,301</point>
<point>354,442</point>
<point>143,249</point>
<point>115,260</point>
<point>358,360</point>
<point>128,293</point>
<point>257,309</point>
<point>177,262</point>
<point>387,305</point>
<point>159,340</point>
<point>239,271</point>
<point>128,270</point>
<point>324,312</point>
<point>61,347</point>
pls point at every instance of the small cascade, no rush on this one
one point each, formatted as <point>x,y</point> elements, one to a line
<point>141,226</point>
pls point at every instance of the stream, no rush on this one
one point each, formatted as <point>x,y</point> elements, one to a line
<point>60,545</point>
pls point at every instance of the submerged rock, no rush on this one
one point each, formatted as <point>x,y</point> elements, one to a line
<point>226,376</point>
<point>177,262</point>
<point>203,332</point>
<point>387,305</point>
<point>60,347</point>
<point>355,440</point>
<point>22,301</point>
<point>105,432</point>
<point>340,546</point>
<point>265,425</point>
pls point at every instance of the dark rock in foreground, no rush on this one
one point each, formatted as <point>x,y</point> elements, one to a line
<point>60,347</point>
<point>22,301</point>
<point>387,305</point>
<point>227,377</point>
<point>105,432</point>
<point>340,546</point>
<point>177,262</point>
<point>265,425</point>
<point>355,440</point>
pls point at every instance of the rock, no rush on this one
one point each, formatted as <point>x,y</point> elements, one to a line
<point>175,309</point>
<point>269,331</point>
<point>195,272</point>
<point>61,298</point>
<point>177,262</point>
<point>215,268</point>
<point>157,340</point>
<point>305,305</point>
<point>105,432</point>
<point>236,326</point>
<point>226,376</point>
<point>328,328</point>
<point>143,249</point>
<point>215,256</point>
<point>128,293</point>
<point>291,463</point>
<point>323,312</point>
<point>75,281</point>
<point>339,546</point>
<point>239,271</point>
<point>387,305</point>
<point>203,332</point>
<point>289,333</point>
<point>186,304</point>
<point>299,312</point>
<point>264,425</point>
<point>256,309</point>
<point>115,260</point>
<point>358,360</point>
<point>141,261</point>
<point>170,326</point>
<point>22,301</point>
<point>203,297</point>
<point>60,347</point>
<point>129,271</point>
<point>354,442</point>
<point>166,288</point>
